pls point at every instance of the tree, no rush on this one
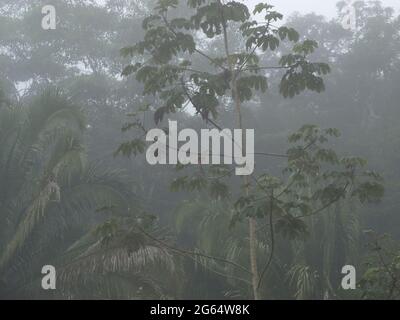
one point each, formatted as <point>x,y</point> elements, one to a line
<point>49,195</point>
<point>165,62</point>
<point>382,269</point>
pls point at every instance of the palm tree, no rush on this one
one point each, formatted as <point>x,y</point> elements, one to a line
<point>48,194</point>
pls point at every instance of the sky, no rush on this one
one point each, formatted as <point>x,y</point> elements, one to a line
<point>324,7</point>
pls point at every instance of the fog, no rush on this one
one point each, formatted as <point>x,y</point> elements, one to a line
<point>180,150</point>
<point>324,7</point>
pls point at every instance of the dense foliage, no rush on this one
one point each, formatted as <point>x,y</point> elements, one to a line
<point>76,191</point>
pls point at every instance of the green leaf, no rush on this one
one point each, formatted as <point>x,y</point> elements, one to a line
<point>135,147</point>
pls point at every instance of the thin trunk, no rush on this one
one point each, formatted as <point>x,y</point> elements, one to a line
<point>252,221</point>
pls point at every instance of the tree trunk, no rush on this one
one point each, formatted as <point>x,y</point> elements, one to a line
<point>252,221</point>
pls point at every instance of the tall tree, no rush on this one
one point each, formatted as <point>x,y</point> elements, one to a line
<point>48,196</point>
<point>165,62</point>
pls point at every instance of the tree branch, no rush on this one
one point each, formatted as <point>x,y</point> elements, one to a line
<point>190,253</point>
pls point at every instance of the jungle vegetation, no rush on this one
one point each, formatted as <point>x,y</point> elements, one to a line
<point>76,191</point>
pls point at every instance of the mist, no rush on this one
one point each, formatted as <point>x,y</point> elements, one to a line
<point>186,150</point>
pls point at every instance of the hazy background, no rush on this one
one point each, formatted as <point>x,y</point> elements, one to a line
<point>115,227</point>
<point>326,7</point>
